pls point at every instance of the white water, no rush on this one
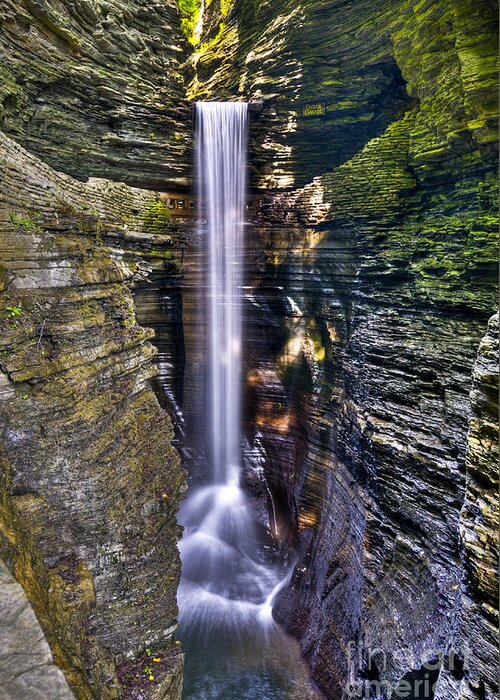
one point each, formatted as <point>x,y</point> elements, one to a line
<point>221,164</point>
<point>227,589</point>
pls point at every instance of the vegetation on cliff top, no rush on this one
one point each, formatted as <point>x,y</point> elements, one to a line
<point>190,14</point>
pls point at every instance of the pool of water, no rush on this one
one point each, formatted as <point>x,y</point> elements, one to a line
<point>234,648</point>
<point>245,665</point>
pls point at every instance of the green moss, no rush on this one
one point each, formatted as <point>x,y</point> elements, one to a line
<point>27,223</point>
<point>225,6</point>
<point>190,12</point>
<point>12,99</point>
<point>212,44</point>
<point>156,216</point>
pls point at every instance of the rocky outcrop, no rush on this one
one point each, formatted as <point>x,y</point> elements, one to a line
<point>26,665</point>
<point>475,635</point>
<point>95,88</point>
<point>90,482</point>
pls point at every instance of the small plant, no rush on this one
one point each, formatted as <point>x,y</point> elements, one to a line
<point>225,6</point>
<point>190,12</point>
<point>28,223</point>
<point>13,311</point>
<point>157,216</point>
<point>149,673</point>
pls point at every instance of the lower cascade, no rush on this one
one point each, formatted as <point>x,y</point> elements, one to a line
<point>234,648</point>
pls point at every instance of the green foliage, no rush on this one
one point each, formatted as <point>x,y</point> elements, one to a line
<point>225,6</point>
<point>190,10</point>
<point>28,223</point>
<point>211,44</point>
<point>148,670</point>
<point>13,311</point>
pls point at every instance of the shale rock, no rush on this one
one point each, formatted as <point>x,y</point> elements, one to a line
<point>90,482</point>
<point>475,635</point>
<point>96,88</point>
<point>373,253</point>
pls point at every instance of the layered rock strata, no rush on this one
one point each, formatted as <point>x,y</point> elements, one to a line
<point>96,88</point>
<point>374,274</point>
<point>90,482</point>
<point>475,630</point>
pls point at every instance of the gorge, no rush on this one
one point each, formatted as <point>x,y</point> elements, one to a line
<point>369,360</point>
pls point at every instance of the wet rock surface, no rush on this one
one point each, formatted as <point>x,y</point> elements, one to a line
<point>475,628</point>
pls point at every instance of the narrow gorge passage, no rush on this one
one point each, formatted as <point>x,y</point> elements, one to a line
<point>233,646</point>
<point>249,432</point>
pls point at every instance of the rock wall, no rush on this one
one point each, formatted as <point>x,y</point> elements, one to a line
<point>90,482</point>
<point>374,256</point>
<point>96,88</point>
<point>476,625</point>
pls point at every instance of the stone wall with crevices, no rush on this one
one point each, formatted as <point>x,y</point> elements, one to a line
<point>372,274</point>
<point>90,481</point>
<point>97,88</point>
<point>373,258</point>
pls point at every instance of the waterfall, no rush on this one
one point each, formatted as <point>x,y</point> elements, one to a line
<point>223,579</point>
<point>228,584</point>
<point>221,138</point>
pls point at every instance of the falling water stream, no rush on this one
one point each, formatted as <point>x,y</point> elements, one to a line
<point>234,648</point>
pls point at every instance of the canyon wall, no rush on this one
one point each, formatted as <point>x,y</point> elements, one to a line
<point>96,88</point>
<point>372,275</point>
<point>373,256</point>
<point>90,480</point>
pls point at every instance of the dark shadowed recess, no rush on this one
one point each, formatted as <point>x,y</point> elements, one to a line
<point>322,143</point>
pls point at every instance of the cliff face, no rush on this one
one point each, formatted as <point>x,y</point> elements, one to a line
<point>95,88</point>
<point>374,251</point>
<point>476,624</point>
<point>372,273</point>
<point>90,481</point>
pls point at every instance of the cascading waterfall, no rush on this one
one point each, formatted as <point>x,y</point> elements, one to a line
<point>222,135</point>
<point>234,649</point>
